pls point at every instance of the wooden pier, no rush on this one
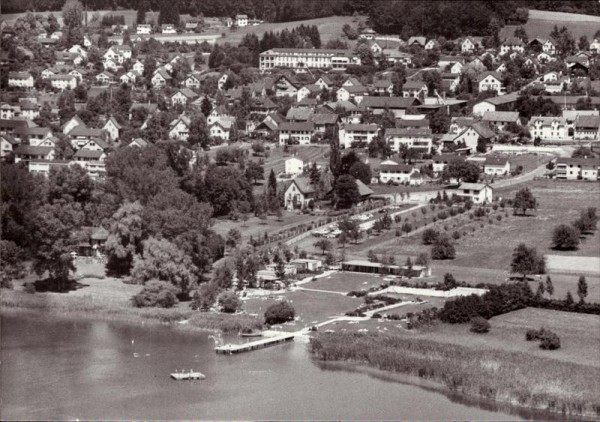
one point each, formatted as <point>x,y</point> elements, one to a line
<point>229,349</point>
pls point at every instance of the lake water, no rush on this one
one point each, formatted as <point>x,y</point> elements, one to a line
<point>57,369</point>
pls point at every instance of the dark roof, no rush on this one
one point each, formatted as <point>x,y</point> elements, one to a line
<point>404,123</point>
<point>87,153</point>
<point>31,150</point>
<point>324,118</point>
<point>495,161</point>
<point>297,126</point>
<point>396,168</point>
<point>12,123</point>
<point>411,131</point>
<point>446,158</point>
<point>303,185</point>
<point>588,122</point>
<point>387,102</point>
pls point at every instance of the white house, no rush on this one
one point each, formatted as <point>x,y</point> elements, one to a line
<point>478,193</point>
<point>296,133</point>
<point>105,77</point>
<point>118,53</point>
<point>294,166</point>
<point>352,92</point>
<point>500,119</point>
<point>391,172</point>
<point>138,66</point>
<point>180,128</point>
<point>241,20</point>
<point>7,144</point>
<point>299,193</point>
<point>112,127</point>
<point>191,81</point>
<point>512,44</point>
<point>221,128</point>
<point>20,80</point>
<point>470,44</point>
<point>548,128</point>
<point>217,113</point>
<point>160,78</point>
<point>419,139</point>
<point>414,89</point>
<point>168,28</point>
<point>143,29</point>
<point>357,133</point>
<point>63,82</point>
<point>183,97</point>
<point>496,166</point>
<point>577,168</point>
<point>490,81</point>
<point>595,46</point>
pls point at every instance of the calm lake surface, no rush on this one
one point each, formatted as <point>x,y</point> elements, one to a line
<point>57,369</point>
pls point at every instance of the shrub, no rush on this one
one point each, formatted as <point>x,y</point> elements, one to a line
<point>480,325</point>
<point>156,293</point>
<point>29,287</point>
<point>533,335</point>
<point>229,302</point>
<point>279,313</point>
<point>430,236</point>
<point>550,341</point>
<point>456,235</point>
<point>565,237</point>
<point>443,249</point>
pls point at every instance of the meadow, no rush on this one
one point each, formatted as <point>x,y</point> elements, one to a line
<point>499,365</point>
<point>541,23</point>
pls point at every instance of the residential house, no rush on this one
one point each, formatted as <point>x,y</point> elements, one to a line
<point>352,92</point>
<point>299,194</point>
<point>496,166</point>
<point>380,105</point>
<point>191,27</point>
<point>544,45</point>
<point>324,82</point>
<point>286,86</point>
<point>78,74</point>
<point>307,90</point>
<point>63,82</point>
<point>138,66</point>
<point>499,119</point>
<point>352,81</point>
<point>241,20</point>
<point>29,152</point>
<point>191,81</point>
<point>168,28</point>
<point>383,87</point>
<point>416,89</point>
<point>143,29</point>
<point>500,103</point>
<point>138,142</point>
<point>112,128</point>
<point>548,128</point>
<point>296,133</point>
<point>7,144</point>
<point>263,105</point>
<point>587,127</point>
<point>20,80</point>
<point>440,161</point>
<point>469,136</point>
<point>294,166</point>
<point>183,97</point>
<point>577,168</point>
<point>221,128</point>
<point>81,135</point>
<point>595,46</point>
<point>360,133</point>
<point>11,126</point>
<point>160,78</point>
<point>36,135</point>
<point>512,44</point>
<point>217,113</point>
<point>221,81</point>
<point>394,56</point>
<point>432,44</point>
<point>269,125</point>
<point>490,81</point>
<point>418,139</point>
<point>105,77</point>
<point>478,193</point>
<point>71,123</point>
<point>180,128</point>
<point>470,44</point>
<point>391,172</point>
<point>324,121</point>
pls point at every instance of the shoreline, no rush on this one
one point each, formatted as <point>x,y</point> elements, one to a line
<point>15,302</point>
<point>544,386</point>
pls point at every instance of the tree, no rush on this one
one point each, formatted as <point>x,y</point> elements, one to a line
<point>12,267</point>
<point>565,43</point>
<point>234,236</point>
<point>324,244</point>
<point>126,234</point>
<point>549,286</point>
<point>346,192</point>
<point>272,184</point>
<point>524,200</point>
<point>156,293</point>
<point>168,12</point>
<point>141,12</point>
<point>229,302</point>
<point>482,145</point>
<point>440,121</point>
<point>526,261</point>
<point>480,325</point>
<point>565,237</point>
<point>582,288</point>
<point>462,171</point>
<point>72,13</point>
<point>584,43</point>
<point>361,171</point>
<point>279,313</point>
<point>443,248</point>
<point>255,171</point>
<point>198,134</point>
<point>206,106</point>
<point>162,260</point>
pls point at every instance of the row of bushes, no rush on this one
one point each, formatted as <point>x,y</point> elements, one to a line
<point>548,339</point>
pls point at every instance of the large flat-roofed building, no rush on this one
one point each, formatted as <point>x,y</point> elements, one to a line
<point>302,58</point>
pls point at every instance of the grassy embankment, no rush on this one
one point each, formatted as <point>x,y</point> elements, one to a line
<point>541,23</point>
<point>99,297</point>
<point>500,366</point>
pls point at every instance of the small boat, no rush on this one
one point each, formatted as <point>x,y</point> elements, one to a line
<point>251,334</point>
<point>192,375</point>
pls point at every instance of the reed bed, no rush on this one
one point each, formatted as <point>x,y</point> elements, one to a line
<point>511,377</point>
<point>85,307</point>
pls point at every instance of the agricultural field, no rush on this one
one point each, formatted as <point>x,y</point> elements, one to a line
<point>330,28</point>
<point>541,23</point>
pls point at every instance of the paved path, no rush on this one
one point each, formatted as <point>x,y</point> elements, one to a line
<point>319,291</point>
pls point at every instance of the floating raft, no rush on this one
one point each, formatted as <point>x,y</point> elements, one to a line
<point>179,376</point>
<point>229,349</point>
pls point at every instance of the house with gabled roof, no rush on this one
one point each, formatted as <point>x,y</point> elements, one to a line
<point>180,128</point>
<point>183,96</point>
<point>390,171</point>
<point>323,121</point>
<point>379,105</point>
<point>440,161</point>
<point>29,152</point>
<point>112,127</point>
<point>299,194</point>
<point>138,142</point>
<point>420,41</point>
<point>306,90</point>
<point>217,113</point>
<point>324,82</point>
<point>582,168</point>
<point>548,128</point>
<point>81,135</point>
<point>71,123</point>
<point>296,133</point>
<point>499,119</point>
<point>358,133</point>
<point>432,44</point>
<point>286,86</point>
<point>105,77</point>
<point>299,114</point>
<point>383,87</point>
<point>490,81</point>
<point>587,128</point>
<point>269,125</point>
<point>20,80</point>
<point>496,166</point>
<point>512,44</point>
<point>7,145</point>
<point>470,44</point>
<point>418,139</point>
<point>160,78</point>
<point>191,81</point>
<point>352,92</point>
<point>222,128</point>
<point>414,88</point>
<point>478,193</point>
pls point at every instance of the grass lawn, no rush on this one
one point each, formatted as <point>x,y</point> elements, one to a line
<point>308,153</point>
<point>329,28</point>
<point>345,282</point>
<point>256,227</point>
<point>541,23</point>
<point>311,307</point>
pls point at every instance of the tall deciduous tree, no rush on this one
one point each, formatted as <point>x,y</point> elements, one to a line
<point>526,261</point>
<point>72,13</point>
<point>126,234</point>
<point>346,191</point>
<point>523,201</point>
<point>582,288</point>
